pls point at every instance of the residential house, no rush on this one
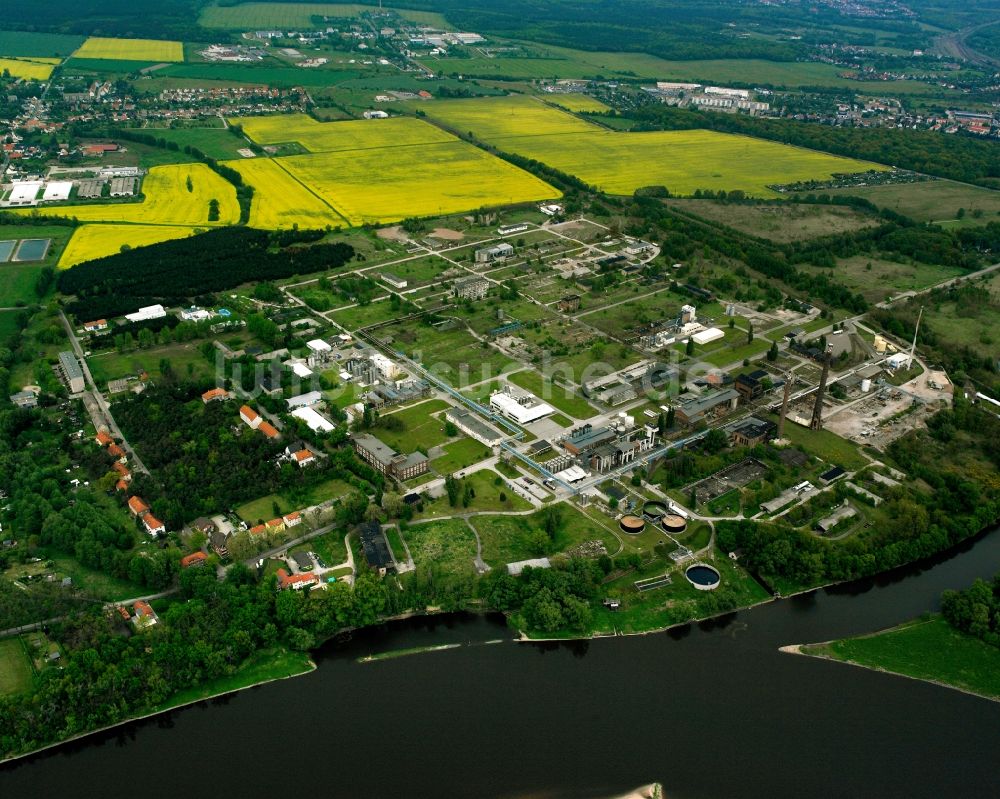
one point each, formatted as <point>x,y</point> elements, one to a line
<point>250,416</point>
<point>153,525</point>
<point>117,452</point>
<point>294,581</point>
<point>95,326</point>
<point>220,395</point>
<point>194,559</point>
<point>268,430</point>
<point>292,519</point>
<point>137,507</point>
<point>303,457</point>
<point>103,438</point>
<point>275,525</point>
<point>144,616</point>
<point>123,471</point>
<point>303,560</point>
<point>218,541</point>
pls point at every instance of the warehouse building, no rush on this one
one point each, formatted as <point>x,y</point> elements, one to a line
<point>696,409</point>
<point>147,313</point>
<point>71,371</point>
<point>474,427</point>
<point>314,419</point>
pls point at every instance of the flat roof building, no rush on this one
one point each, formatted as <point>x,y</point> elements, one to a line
<point>386,460</point>
<point>315,420</point>
<point>474,427</point>
<point>525,410</point>
<point>498,252</point>
<point>473,287</point>
<point>147,313</point>
<point>72,372</point>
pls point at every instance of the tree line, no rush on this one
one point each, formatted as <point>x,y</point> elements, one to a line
<point>174,271</point>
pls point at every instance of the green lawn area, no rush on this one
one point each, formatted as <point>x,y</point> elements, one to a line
<point>330,547</point>
<point>444,546</point>
<point>8,325</point>
<point>216,143</point>
<point>419,428</point>
<point>15,668</point>
<point>453,355</point>
<point>736,354</point>
<point>487,498</point>
<point>263,507</point>
<point>343,394</point>
<point>185,359</point>
<point>564,399</point>
<point>459,454</point>
<point>262,666</point>
<point>97,583</point>
<point>362,315</point>
<point>825,445</point>
<point>928,649</point>
<point>507,539</point>
<point>396,543</point>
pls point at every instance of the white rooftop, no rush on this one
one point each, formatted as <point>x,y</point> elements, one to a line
<point>318,345</point>
<point>302,370</point>
<point>522,414</point>
<point>571,475</point>
<point>317,422</point>
<point>58,190</point>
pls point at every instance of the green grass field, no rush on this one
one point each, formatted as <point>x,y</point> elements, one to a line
<point>507,539</point>
<point>446,546</point>
<point>619,163</point>
<point>97,583</point>
<point>927,649</point>
<point>933,200</point>
<point>886,278</point>
<point>21,44</point>
<point>557,396</point>
<point>216,143</point>
<point>459,454</point>
<point>111,365</point>
<point>15,668</point>
<point>420,429</point>
<point>825,445</point>
<point>263,507</point>
<point>486,499</point>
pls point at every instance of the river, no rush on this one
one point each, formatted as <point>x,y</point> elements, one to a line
<point>710,710</point>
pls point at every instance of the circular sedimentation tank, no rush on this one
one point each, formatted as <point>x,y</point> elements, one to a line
<point>654,510</point>
<point>703,577</point>
<point>633,525</point>
<point>673,523</point>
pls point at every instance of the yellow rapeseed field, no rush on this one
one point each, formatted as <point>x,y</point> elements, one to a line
<point>393,183</point>
<point>578,102</point>
<point>279,200</point>
<point>34,69</point>
<point>97,241</point>
<point>355,134</point>
<point>130,49</point>
<point>619,163</point>
<point>167,202</point>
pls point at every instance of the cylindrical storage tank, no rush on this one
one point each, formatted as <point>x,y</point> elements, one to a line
<point>673,523</point>
<point>653,510</point>
<point>866,385</point>
<point>633,525</point>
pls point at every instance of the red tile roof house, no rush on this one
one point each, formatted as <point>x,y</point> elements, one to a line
<point>304,457</point>
<point>145,616</point>
<point>294,581</point>
<point>137,506</point>
<point>117,452</point>
<point>121,485</point>
<point>260,529</point>
<point>250,416</point>
<point>122,470</point>
<point>153,525</point>
<point>97,324</point>
<point>292,519</point>
<point>217,394</point>
<point>194,559</point>
<point>268,429</point>
<point>275,525</point>
<point>104,439</point>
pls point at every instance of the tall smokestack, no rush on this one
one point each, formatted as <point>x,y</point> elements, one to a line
<point>817,418</point>
<point>784,405</point>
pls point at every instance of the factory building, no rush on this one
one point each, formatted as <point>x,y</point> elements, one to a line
<point>471,288</point>
<point>498,252</point>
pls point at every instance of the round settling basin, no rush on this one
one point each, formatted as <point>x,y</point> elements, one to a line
<point>632,525</point>
<point>654,510</point>
<point>674,524</point>
<point>703,577</point>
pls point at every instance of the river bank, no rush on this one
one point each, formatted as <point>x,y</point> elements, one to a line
<point>926,649</point>
<point>263,668</point>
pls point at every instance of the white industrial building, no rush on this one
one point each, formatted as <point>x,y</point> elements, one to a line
<point>301,370</point>
<point>523,410</point>
<point>304,400</point>
<point>897,361</point>
<point>24,192</point>
<point>319,351</point>
<point>387,370</point>
<point>147,313</point>
<point>57,191</point>
<point>498,252</point>
<point>315,420</point>
<point>707,336</point>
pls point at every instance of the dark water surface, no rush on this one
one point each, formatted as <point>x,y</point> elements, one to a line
<point>710,710</point>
